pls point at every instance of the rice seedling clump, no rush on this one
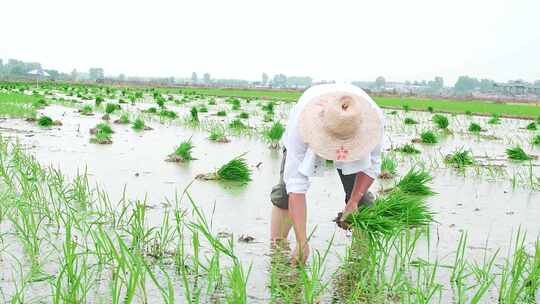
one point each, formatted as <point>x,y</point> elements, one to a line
<point>536,140</point>
<point>388,167</point>
<point>495,119</point>
<point>87,110</point>
<point>428,137</point>
<point>244,115</point>
<point>182,153</point>
<point>459,158</point>
<point>237,124</point>
<point>45,121</point>
<point>408,149</point>
<point>101,137</point>
<point>194,115</point>
<point>274,134</point>
<point>532,126</point>
<point>111,107</point>
<point>139,125</point>
<point>124,119</point>
<point>410,121</point>
<point>217,134</point>
<point>236,170</point>
<point>415,182</point>
<point>517,153</point>
<point>221,113</point>
<point>441,121</point>
<point>475,128</point>
<point>102,127</point>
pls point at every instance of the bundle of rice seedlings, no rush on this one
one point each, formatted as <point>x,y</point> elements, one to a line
<point>236,170</point>
<point>531,127</point>
<point>428,137</point>
<point>182,153</point>
<point>440,120</point>
<point>269,107</point>
<point>167,113</point>
<point>495,119</point>
<point>394,112</point>
<point>102,127</point>
<point>221,113</point>
<point>45,121</point>
<point>124,119</point>
<point>415,183</point>
<point>468,113</point>
<point>151,110</point>
<point>139,125</point>
<point>538,120</point>
<point>102,138</point>
<point>203,109</point>
<point>460,158</point>
<point>87,110</point>
<point>391,214</point>
<point>409,121</point>
<point>408,149</point>
<point>40,103</point>
<point>237,124</point>
<point>212,102</point>
<point>517,153</point>
<point>388,167</point>
<point>160,101</point>
<point>244,115</point>
<point>111,107</point>
<point>536,140</point>
<point>194,115</point>
<point>99,100</point>
<point>430,109</point>
<point>217,134</point>
<point>475,128</point>
<point>274,133</point>
<point>406,108</point>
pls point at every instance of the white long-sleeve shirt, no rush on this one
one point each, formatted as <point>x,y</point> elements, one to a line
<point>301,162</point>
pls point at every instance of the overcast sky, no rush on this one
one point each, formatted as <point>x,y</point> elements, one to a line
<point>342,40</point>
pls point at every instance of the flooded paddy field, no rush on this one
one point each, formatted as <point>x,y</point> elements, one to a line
<point>115,222</point>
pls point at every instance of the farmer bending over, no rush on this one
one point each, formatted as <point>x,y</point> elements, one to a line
<point>330,122</point>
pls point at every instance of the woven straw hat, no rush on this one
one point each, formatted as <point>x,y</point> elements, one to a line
<point>340,122</point>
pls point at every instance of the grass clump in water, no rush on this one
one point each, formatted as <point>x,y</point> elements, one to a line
<point>475,128</point>
<point>274,133</point>
<point>441,121</point>
<point>517,153</point>
<point>45,121</point>
<point>217,134</point>
<point>428,137</point>
<point>410,121</point>
<point>236,170</point>
<point>532,126</point>
<point>460,158</point>
<point>182,153</point>
<point>408,149</point>
<point>388,167</point>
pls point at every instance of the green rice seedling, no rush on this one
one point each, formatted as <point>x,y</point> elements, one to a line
<point>243,115</point>
<point>274,133</point>
<point>440,120</point>
<point>111,107</point>
<point>460,158</point>
<point>124,119</point>
<point>517,153</point>
<point>406,107</point>
<point>428,137</point>
<point>531,127</point>
<point>212,102</point>
<point>393,112</point>
<point>102,138</point>
<point>389,214</point>
<point>410,121</point>
<point>99,100</point>
<point>269,107</point>
<point>474,127</point>
<point>415,183</point>
<point>268,117</point>
<point>138,124</point>
<point>45,121</point>
<point>221,113</point>
<point>87,110</point>
<point>217,134</point>
<point>151,110</point>
<point>388,167</point>
<point>167,113</point>
<point>408,149</point>
<point>237,124</point>
<point>536,140</point>
<point>430,109</point>
<point>40,103</point>
<point>160,102</point>
<point>182,153</point>
<point>468,112</point>
<point>495,119</point>
<point>194,115</point>
<point>236,170</point>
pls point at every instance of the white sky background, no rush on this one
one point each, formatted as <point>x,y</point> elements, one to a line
<point>341,40</point>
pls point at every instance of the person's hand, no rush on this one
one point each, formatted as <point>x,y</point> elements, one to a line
<point>300,255</point>
<point>351,207</point>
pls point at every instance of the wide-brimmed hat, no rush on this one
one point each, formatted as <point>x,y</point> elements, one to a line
<point>340,122</point>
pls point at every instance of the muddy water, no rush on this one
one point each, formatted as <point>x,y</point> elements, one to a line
<point>487,210</point>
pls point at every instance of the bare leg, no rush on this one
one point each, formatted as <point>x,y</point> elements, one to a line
<point>280,224</point>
